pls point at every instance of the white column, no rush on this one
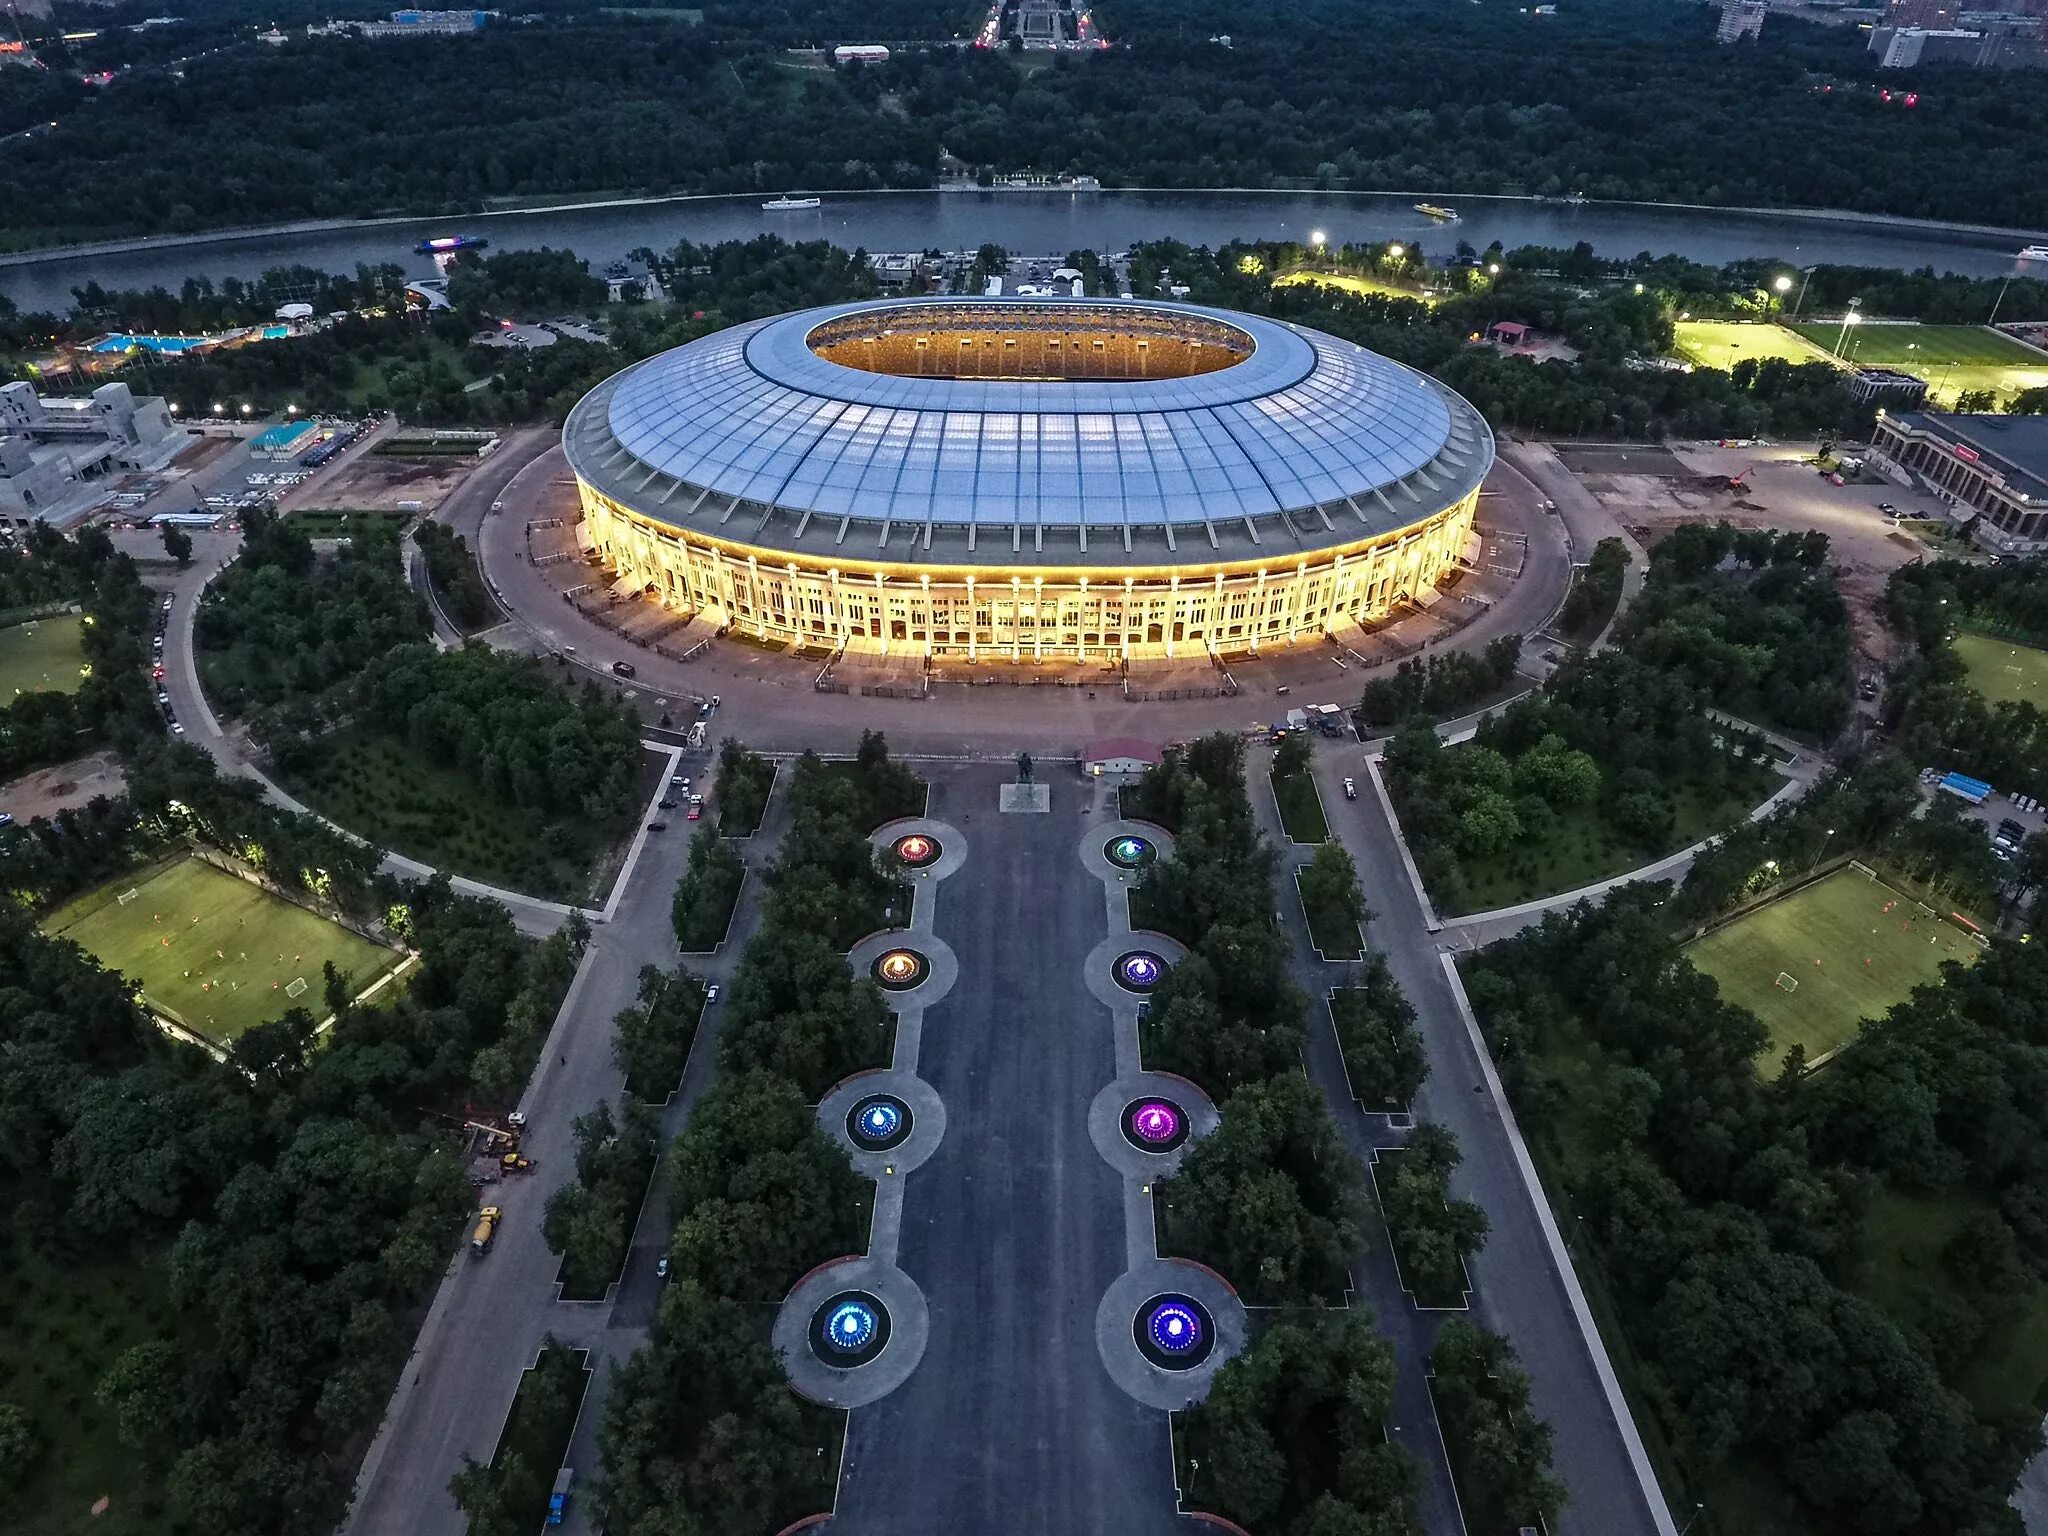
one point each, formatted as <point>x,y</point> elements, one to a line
<point>973,628</point>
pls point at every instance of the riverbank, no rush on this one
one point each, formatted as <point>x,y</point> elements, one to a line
<point>530,207</point>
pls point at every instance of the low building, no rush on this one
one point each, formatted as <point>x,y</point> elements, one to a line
<point>425,24</point>
<point>1993,469</point>
<point>631,280</point>
<point>55,452</point>
<point>860,53</point>
<point>1885,386</point>
<point>1118,754</point>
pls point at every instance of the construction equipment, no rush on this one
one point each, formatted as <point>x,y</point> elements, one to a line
<point>486,1231</point>
<point>492,1132</point>
<point>512,1162</point>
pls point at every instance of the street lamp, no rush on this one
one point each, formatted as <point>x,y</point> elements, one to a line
<point>1316,238</point>
<point>1397,251</point>
<point>1823,851</point>
<point>1493,269</point>
<point>1851,318</point>
<point>1639,289</point>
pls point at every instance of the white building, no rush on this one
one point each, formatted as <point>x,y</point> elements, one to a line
<point>54,452</point>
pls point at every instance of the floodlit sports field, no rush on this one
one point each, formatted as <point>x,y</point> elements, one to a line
<point>1850,957</point>
<point>1952,358</point>
<point>1724,343</point>
<point>41,656</point>
<point>1351,284</point>
<point>2001,670</point>
<point>214,951</point>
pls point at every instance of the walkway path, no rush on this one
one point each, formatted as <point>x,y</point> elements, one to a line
<point>1521,1289</point>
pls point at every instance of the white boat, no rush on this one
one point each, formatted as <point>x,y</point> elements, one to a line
<point>782,204</point>
<point>2034,253</point>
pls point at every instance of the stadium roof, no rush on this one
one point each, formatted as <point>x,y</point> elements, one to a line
<point>1302,430</point>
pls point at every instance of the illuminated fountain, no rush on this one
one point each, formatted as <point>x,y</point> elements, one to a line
<point>1175,1333</point>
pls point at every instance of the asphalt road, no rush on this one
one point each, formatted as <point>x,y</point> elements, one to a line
<point>1520,1292</point>
<point>1014,1228</point>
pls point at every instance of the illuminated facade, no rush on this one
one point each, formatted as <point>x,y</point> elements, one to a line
<point>1028,479</point>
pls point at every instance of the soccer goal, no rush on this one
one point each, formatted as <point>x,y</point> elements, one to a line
<point>296,988</point>
<point>1786,982</point>
<point>125,897</point>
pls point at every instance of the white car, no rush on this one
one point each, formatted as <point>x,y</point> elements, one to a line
<point>1351,789</point>
<point>711,994</point>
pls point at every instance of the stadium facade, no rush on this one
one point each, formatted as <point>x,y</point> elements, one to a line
<point>1028,479</point>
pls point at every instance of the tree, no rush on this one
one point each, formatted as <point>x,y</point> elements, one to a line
<point>144,1388</point>
<point>1330,896</point>
<point>1976,400</point>
<point>17,1444</point>
<point>177,544</point>
<point>1382,1049</point>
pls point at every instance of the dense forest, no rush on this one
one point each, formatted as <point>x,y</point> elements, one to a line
<point>257,1234</point>
<point>111,703</point>
<point>1611,100</point>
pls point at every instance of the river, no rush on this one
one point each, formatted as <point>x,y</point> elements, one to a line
<point>1040,222</point>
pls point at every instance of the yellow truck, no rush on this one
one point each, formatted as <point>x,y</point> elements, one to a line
<point>486,1229</point>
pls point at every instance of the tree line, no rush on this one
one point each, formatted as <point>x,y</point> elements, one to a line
<point>112,701</point>
<point>701,1426</point>
<point>1271,1198</point>
<point>294,1204</point>
<point>1725,1210</point>
<point>1626,103</point>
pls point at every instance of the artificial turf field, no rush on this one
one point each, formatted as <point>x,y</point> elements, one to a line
<point>1351,284</point>
<point>1952,358</point>
<point>2001,670</point>
<point>1869,958</point>
<point>41,656</point>
<point>214,951</point>
<point>1724,343</point>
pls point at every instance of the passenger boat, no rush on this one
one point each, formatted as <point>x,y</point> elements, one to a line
<point>782,204</point>
<point>2034,253</point>
<point>448,245</point>
<point>1438,212</point>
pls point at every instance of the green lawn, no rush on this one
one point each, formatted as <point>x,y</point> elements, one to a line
<point>72,1311</point>
<point>1897,1266</point>
<point>1351,284</point>
<point>1952,358</point>
<point>382,789</point>
<point>1301,809</point>
<point>1580,847</point>
<point>41,656</point>
<point>1724,343</point>
<point>1868,959</point>
<point>213,951</point>
<point>2001,670</point>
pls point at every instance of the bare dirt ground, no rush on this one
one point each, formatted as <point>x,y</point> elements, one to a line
<point>62,786</point>
<point>1655,490</point>
<point>370,482</point>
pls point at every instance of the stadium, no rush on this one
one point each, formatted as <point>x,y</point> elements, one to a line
<point>1027,480</point>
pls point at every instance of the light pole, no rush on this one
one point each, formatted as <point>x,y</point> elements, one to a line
<point>1697,1510</point>
<point>1823,851</point>
<point>1851,318</point>
<point>1803,281</point>
<point>1782,283</point>
<point>1999,300</point>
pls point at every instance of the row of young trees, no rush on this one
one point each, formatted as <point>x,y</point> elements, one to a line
<point>293,1203</point>
<point>701,1431</point>
<point>1291,1436</point>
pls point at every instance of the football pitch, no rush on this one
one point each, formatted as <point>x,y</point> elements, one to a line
<point>1952,358</point>
<point>41,656</point>
<point>214,952</point>
<point>1724,343</point>
<point>1850,946</point>
<point>2001,670</point>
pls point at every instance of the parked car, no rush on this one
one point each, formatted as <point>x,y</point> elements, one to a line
<point>623,668</point>
<point>661,1267</point>
<point>695,812</point>
<point>1351,789</point>
<point>1888,508</point>
<point>711,994</point>
<point>657,826</point>
<point>664,805</point>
